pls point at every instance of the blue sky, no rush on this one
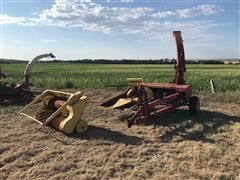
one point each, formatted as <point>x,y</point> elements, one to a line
<point>116,29</point>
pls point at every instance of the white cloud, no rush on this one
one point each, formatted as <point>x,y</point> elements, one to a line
<point>90,16</point>
<point>164,14</point>
<point>127,0</point>
<point>200,10</point>
<point>124,1</point>
<point>208,9</point>
<point>5,19</point>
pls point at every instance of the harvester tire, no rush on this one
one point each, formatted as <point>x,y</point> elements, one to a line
<point>26,97</point>
<point>194,105</point>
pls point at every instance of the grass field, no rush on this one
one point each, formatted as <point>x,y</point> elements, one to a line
<point>63,75</point>
<point>205,146</point>
<point>179,146</point>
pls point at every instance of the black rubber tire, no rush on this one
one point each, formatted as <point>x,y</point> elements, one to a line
<point>194,105</point>
<point>130,122</point>
<point>26,97</point>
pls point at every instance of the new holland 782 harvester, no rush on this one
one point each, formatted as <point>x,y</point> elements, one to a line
<point>156,99</point>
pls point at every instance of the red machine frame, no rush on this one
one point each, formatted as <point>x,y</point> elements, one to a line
<point>19,92</point>
<point>166,97</point>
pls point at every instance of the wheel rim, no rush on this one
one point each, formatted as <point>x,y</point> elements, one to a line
<point>198,106</point>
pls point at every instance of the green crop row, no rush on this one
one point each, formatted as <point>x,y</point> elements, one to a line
<point>66,75</point>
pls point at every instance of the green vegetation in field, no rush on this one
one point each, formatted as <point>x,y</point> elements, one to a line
<point>66,75</point>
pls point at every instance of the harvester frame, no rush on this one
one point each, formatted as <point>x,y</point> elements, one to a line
<point>155,99</point>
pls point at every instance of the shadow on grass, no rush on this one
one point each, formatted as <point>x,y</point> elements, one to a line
<point>6,104</point>
<point>180,127</point>
<point>194,127</point>
<point>100,133</point>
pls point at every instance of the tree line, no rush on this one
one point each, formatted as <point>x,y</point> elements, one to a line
<point>114,61</point>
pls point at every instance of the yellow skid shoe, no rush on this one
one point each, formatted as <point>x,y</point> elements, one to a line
<point>131,98</point>
<point>61,110</point>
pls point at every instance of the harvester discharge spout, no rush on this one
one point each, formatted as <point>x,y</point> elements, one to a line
<point>28,68</point>
<point>180,61</point>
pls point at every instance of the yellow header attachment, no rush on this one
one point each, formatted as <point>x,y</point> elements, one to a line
<point>61,110</point>
<point>134,81</point>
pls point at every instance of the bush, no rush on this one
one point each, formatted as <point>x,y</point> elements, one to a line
<point>68,84</point>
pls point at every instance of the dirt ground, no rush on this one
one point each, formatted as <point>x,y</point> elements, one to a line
<point>180,146</point>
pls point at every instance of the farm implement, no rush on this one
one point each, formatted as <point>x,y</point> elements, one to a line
<point>20,92</point>
<point>2,74</point>
<point>155,99</point>
<point>61,110</point>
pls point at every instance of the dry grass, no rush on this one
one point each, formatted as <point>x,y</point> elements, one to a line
<point>181,146</point>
